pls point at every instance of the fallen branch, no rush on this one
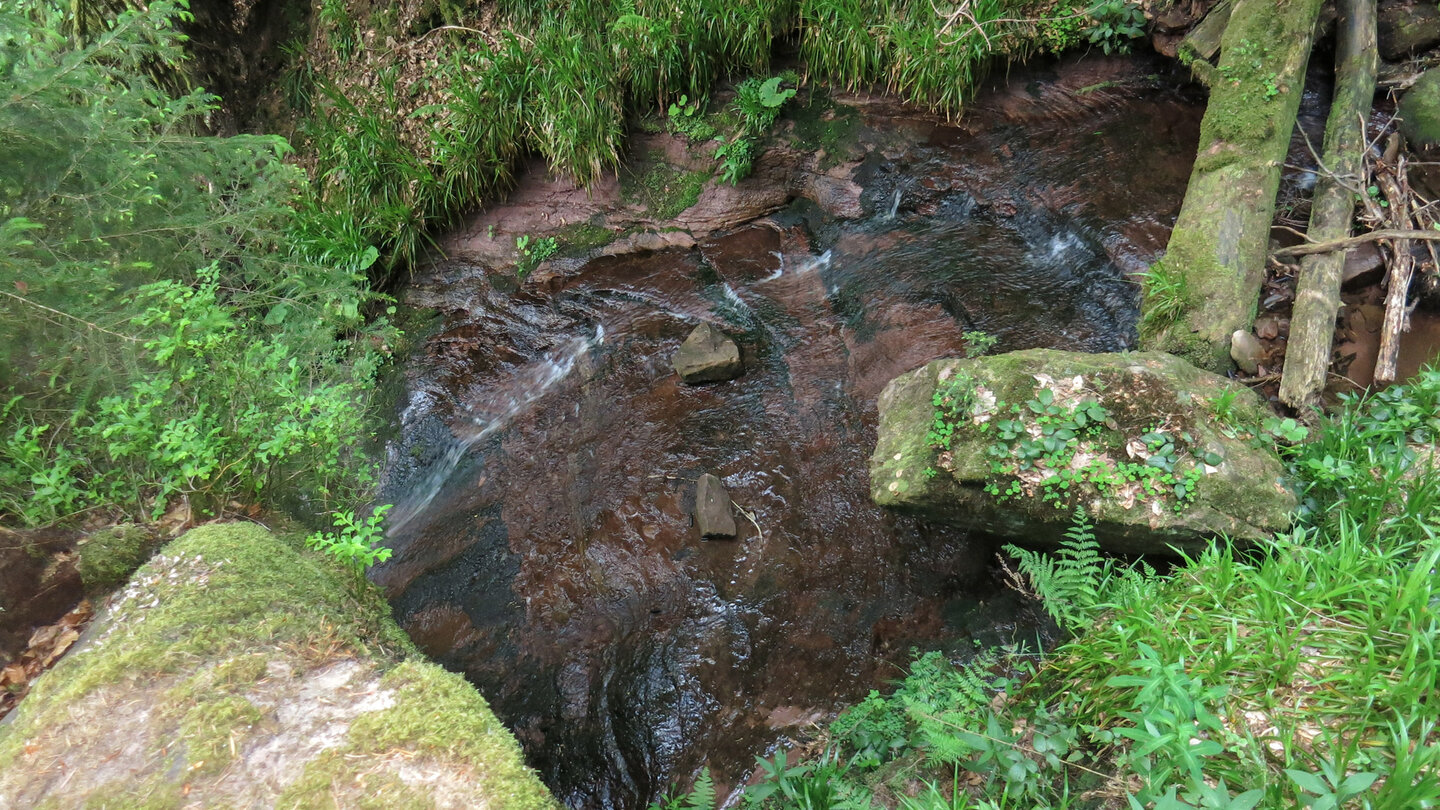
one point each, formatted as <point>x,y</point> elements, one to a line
<point>1402,267</point>
<point>1332,245</point>
<point>1317,295</point>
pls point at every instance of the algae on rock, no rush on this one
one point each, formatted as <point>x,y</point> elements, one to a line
<point>236,670</point>
<point>1170,461</point>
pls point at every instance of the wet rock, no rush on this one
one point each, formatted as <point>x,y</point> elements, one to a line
<point>1419,111</point>
<point>1363,265</point>
<point>1236,489</point>
<point>286,687</point>
<point>1406,28</point>
<point>708,355</point>
<point>1247,351</point>
<point>713,512</point>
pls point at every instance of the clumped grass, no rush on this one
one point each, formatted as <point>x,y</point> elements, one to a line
<point>561,81</point>
<point>1297,674</point>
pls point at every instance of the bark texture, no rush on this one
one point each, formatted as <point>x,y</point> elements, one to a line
<point>1317,299</point>
<point>1208,284</point>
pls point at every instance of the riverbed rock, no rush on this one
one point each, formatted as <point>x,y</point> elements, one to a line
<point>1406,27</point>
<point>1247,351</point>
<point>708,355</point>
<point>235,670</point>
<point>1233,487</point>
<point>1419,111</point>
<point>714,513</point>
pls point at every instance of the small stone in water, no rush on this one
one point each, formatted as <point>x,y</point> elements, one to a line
<point>712,508</point>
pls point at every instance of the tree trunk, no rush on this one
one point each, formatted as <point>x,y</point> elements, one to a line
<point>1317,300</point>
<point>1208,284</point>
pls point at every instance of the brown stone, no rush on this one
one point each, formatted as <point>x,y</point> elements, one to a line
<point>708,355</point>
<point>713,513</point>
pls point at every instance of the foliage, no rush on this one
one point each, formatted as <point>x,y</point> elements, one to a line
<point>357,544</point>
<point>533,252</point>
<point>1293,675</point>
<point>688,118</point>
<point>1116,22</point>
<point>1076,582</point>
<point>736,157</point>
<point>978,343</point>
<point>1035,447</point>
<point>1164,293</point>
<point>188,339</point>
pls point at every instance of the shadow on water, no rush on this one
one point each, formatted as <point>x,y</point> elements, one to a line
<point>544,472</point>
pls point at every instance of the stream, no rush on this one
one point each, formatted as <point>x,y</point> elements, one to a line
<point>544,468</point>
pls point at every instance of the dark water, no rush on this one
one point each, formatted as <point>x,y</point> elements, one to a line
<point>545,470</point>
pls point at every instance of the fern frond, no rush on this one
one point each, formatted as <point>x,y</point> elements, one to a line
<point>702,795</point>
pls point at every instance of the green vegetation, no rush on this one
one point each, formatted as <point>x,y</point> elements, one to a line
<point>356,545</point>
<point>1296,674</point>
<point>1071,449</point>
<point>533,252</point>
<point>1116,23</point>
<point>108,557</point>
<point>176,331</point>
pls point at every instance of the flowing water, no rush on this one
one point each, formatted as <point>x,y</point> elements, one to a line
<point>544,473</point>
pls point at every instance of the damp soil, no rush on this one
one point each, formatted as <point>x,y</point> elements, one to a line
<point>546,454</point>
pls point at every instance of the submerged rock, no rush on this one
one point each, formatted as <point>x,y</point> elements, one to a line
<point>708,355</point>
<point>713,512</point>
<point>1158,452</point>
<point>236,671</point>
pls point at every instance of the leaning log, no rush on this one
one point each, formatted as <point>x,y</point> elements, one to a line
<point>1317,298</point>
<point>1397,281</point>
<point>1208,284</point>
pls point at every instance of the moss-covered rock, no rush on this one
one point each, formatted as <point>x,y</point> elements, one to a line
<point>1420,111</point>
<point>236,670</point>
<point>1159,453</point>
<point>108,557</point>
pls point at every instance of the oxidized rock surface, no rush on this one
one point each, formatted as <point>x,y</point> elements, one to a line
<point>1149,398</point>
<point>708,355</point>
<point>713,513</point>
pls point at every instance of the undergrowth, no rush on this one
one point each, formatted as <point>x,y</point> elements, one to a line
<point>1299,673</point>
<point>403,155</point>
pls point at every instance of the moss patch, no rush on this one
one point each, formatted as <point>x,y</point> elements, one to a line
<point>108,557</point>
<point>244,665</point>
<point>663,190</point>
<point>822,125</point>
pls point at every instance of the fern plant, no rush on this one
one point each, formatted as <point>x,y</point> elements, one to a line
<point>700,797</point>
<point>1076,581</point>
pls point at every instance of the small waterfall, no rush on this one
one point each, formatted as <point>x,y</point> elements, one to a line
<point>492,413</point>
<point>894,205</point>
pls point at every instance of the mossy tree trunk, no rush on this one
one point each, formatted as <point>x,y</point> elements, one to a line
<point>1312,326</point>
<point>1208,284</point>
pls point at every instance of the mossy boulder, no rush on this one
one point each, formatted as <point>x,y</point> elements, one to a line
<point>1159,453</point>
<point>1420,111</point>
<point>108,557</point>
<point>236,670</point>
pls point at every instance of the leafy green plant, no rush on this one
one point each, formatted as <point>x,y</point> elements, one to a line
<point>358,543</point>
<point>688,118</point>
<point>978,343</point>
<point>700,797</point>
<point>737,157</point>
<point>533,252</point>
<point>1115,23</point>
<point>759,102</point>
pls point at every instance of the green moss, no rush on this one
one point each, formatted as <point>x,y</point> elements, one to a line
<point>583,237</point>
<point>822,125</point>
<point>149,794</point>
<point>436,712</point>
<point>210,728</point>
<point>260,591</point>
<point>661,189</point>
<point>1420,111</point>
<point>108,557</point>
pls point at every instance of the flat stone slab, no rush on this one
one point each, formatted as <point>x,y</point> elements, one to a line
<point>708,355</point>
<point>1158,452</point>
<point>713,510</point>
